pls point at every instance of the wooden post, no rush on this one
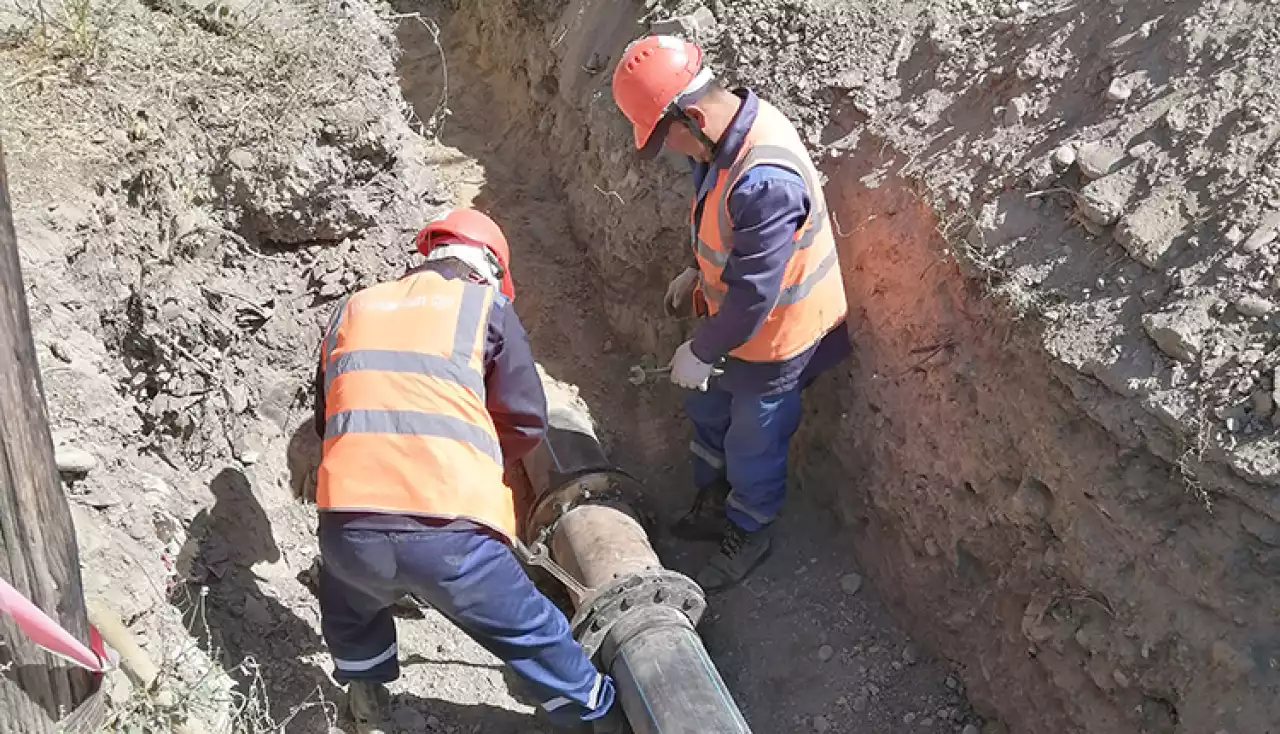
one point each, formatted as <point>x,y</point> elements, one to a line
<point>38,553</point>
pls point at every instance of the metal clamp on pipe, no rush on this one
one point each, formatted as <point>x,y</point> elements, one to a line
<point>634,594</point>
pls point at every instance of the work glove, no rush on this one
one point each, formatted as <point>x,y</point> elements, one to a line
<point>679,298</point>
<point>688,371</point>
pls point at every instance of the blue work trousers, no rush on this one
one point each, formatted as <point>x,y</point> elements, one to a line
<point>744,439</point>
<point>468,576</point>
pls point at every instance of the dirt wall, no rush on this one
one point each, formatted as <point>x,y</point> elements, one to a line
<point>1002,447</point>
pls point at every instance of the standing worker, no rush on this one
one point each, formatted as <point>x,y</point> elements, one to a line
<point>766,277</point>
<point>426,388</point>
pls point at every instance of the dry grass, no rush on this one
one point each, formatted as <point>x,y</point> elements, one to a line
<point>97,81</point>
<point>152,96</point>
<point>193,694</point>
<point>68,28</point>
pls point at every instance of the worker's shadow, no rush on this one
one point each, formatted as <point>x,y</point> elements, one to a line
<point>238,621</point>
<point>303,459</point>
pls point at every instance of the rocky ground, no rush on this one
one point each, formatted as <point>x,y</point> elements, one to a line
<point>192,193</point>
<point>1052,457</point>
<point>1055,449</point>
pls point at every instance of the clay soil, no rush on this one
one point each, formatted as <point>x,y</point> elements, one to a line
<point>1037,498</point>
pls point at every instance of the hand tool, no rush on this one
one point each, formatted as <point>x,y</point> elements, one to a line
<point>537,555</point>
<point>640,374</point>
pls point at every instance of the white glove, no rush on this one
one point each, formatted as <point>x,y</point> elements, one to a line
<point>688,371</point>
<point>680,292</point>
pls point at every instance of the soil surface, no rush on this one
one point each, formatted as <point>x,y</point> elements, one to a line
<point>1052,457</point>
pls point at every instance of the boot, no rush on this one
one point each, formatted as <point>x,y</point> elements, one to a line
<point>705,520</point>
<point>740,552</point>
<point>366,699</point>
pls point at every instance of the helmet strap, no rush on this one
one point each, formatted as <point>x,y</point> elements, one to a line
<point>479,260</point>
<point>677,112</point>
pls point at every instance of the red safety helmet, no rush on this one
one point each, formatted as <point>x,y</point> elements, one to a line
<point>655,72</point>
<point>470,227</point>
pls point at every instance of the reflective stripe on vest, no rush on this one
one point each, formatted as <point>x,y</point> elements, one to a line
<point>811,301</point>
<point>789,294</point>
<point>409,423</point>
<point>406,428</point>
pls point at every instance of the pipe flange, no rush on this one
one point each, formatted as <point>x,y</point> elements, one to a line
<point>612,487</point>
<point>656,587</point>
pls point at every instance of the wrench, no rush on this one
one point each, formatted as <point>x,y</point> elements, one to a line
<point>538,556</point>
<point>640,374</point>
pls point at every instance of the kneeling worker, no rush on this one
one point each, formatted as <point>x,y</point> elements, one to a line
<point>426,388</point>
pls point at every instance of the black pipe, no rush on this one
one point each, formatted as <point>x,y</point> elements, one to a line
<point>665,680</point>
<point>638,620</point>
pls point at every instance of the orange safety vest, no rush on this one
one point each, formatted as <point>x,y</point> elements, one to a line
<point>811,302</point>
<point>406,428</point>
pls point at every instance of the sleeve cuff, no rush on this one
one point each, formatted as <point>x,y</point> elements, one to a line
<point>699,350</point>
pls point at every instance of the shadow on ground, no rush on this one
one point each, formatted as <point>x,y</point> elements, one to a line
<point>239,622</point>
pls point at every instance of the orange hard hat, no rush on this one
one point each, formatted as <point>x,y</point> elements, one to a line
<point>471,227</point>
<point>655,72</point>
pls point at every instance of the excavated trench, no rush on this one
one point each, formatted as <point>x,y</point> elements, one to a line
<point>973,479</point>
<point>790,643</point>
<point>1034,560</point>
<point>588,283</point>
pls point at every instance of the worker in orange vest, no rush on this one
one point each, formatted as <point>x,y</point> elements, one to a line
<point>763,271</point>
<point>426,389</point>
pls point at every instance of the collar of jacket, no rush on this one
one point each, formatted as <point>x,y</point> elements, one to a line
<point>736,133</point>
<point>730,142</point>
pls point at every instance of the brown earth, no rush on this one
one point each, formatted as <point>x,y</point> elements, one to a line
<point>1052,456</point>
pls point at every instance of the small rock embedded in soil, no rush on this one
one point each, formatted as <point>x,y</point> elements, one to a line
<point>71,460</point>
<point>1118,91</point>
<point>1264,235</point>
<point>242,159</point>
<point>1103,200</point>
<point>59,349</point>
<point>851,583</point>
<point>821,724</point>
<point>1179,335</point>
<point>1143,151</point>
<point>238,398</point>
<point>1064,156</point>
<point>1098,159</point>
<point>1254,306</point>
<point>825,653</point>
<point>909,655</point>
<point>970,729</point>
<point>1150,230</point>
<point>689,26</point>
